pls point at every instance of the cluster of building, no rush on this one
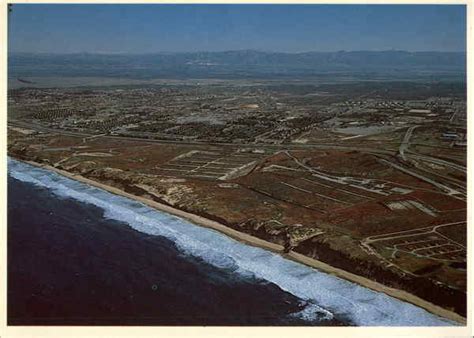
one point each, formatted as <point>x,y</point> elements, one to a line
<point>219,113</point>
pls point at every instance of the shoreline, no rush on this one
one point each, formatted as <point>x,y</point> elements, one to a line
<point>276,248</point>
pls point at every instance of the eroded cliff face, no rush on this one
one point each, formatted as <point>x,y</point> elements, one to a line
<point>426,288</point>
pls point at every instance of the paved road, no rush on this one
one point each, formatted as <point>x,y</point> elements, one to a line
<point>449,191</point>
<point>439,161</point>
<point>406,142</point>
<point>37,127</point>
<point>375,151</point>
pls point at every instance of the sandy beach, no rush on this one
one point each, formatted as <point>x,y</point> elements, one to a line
<point>251,240</point>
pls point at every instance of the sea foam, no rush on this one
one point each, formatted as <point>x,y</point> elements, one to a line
<point>326,295</point>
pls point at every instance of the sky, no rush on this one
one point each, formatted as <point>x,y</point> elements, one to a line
<point>282,28</point>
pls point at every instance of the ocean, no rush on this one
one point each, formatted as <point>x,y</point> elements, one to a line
<point>78,255</point>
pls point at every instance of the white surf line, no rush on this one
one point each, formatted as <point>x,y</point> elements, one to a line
<point>330,295</point>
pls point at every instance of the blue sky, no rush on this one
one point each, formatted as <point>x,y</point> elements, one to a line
<point>288,28</point>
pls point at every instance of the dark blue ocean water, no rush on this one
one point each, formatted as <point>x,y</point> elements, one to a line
<point>67,264</point>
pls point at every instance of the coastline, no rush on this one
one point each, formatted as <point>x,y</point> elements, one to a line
<point>254,241</point>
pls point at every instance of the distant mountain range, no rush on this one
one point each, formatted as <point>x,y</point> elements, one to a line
<point>241,64</point>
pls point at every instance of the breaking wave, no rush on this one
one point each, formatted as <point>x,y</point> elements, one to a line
<point>325,296</point>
